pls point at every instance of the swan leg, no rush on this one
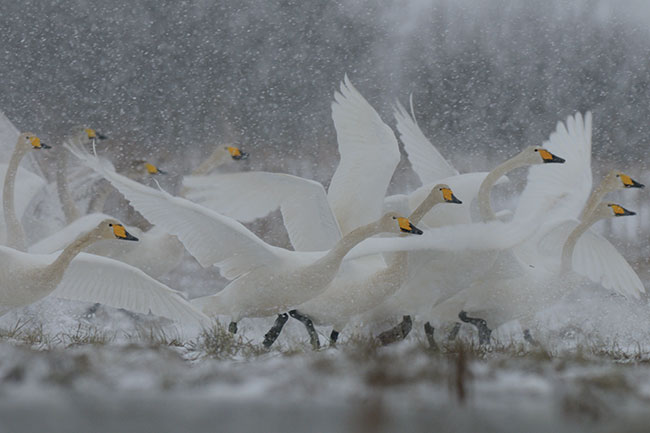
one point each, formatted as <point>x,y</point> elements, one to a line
<point>529,338</point>
<point>484,332</point>
<point>454,332</point>
<point>274,332</point>
<point>428,331</point>
<point>313,336</point>
<point>333,337</point>
<point>397,332</point>
<point>92,310</point>
<point>232,327</point>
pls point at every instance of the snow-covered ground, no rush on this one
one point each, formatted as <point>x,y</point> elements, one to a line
<point>62,369</point>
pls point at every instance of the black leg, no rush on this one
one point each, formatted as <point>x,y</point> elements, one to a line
<point>529,338</point>
<point>484,332</point>
<point>333,337</point>
<point>92,310</point>
<point>274,332</point>
<point>232,328</point>
<point>313,335</point>
<point>397,332</point>
<point>428,331</point>
<point>454,332</point>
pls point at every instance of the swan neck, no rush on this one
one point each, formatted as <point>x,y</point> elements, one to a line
<point>15,234</point>
<point>335,256</point>
<point>215,160</point>
<point>594,199</point>
<point>424,207</point>
<point>485,208</point>
<point>69,208</point>
<point>57,268</point>
<point>571,241</point>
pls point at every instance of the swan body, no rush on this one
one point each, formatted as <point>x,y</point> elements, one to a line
<point>561,266</point>
<point>26,278</point>
<point>353,293</point>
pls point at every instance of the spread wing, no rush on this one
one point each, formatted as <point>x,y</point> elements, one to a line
<point>100,279</point>
<point>369,155</point>
<point>427,162</point>
<point>246,196</point>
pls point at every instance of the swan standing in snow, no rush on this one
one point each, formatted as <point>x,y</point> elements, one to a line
<point>434,277</point>
<point>568,257</point>
<point>15,233</point>
<point>70,274</point>
<point>350,295</point>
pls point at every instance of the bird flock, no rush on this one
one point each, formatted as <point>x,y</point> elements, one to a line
<point>437,255</point>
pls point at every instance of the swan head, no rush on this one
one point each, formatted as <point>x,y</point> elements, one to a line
<point>236,153</point>
<point>143,167</point>
<point>606,210</point>
<point>392,222</point>
<point>446,192</point>
<point>27,140</point>
<point>93,134</point>
<point>113,229</point>
<point>617,180</point>
<point>539,155</point>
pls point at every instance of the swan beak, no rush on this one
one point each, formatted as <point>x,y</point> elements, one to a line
<point>152,169</point>
<point>120,232</point>
<point>92,134</point>
<point>236,153</point>
<point>549,157</point>
<point>406,226</point>
<point>621,211</point>
<point>38,144</point>
<point>628,182</point>
<point>449,196</point>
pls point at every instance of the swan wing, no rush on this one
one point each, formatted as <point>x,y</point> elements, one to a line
<point>571,181</point>
<point>369,156</point>
<point>100,279</point>
<point>493,235</point>
<point>212,238</point>
<point>307,216</point>
<point>427,162</point>
<point>595,258</point>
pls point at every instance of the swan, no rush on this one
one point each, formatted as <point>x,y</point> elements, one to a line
<point>433,276</point>
<point>15,233</point>
<point>80,135</point>
<point>350,295</point>
<point>70,274</point>
<point>219,157</point>
<point>568,256</point>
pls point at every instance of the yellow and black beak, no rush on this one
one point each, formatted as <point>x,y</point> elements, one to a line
<point>449,196</point>
<point>628,182</point>
<point>549,157</point>
<point>406,226</point>
<point>92,134</point>
<point>236,153</point>
<point>37,143</point>
<point>620,210</point>
<point>152,169</point>
<point>120,232</point>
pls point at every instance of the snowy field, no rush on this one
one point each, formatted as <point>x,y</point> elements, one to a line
<point>169,81</point>
<point>63,370</point>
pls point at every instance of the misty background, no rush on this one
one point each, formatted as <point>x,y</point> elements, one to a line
<point>169,80</point>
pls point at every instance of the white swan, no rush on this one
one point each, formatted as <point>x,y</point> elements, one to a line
<point>27,278</point>
<point>353,293</point>
<point>568,256</point>
<point>15,233</point>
